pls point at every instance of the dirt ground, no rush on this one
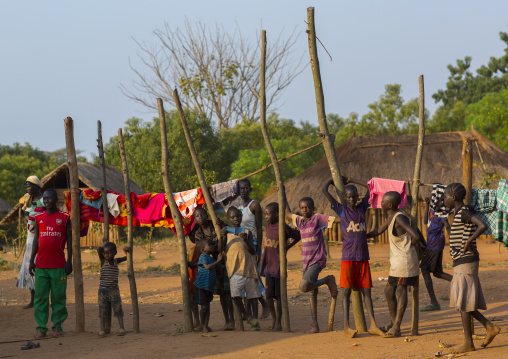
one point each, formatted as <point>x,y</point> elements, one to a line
<point>161,317</point>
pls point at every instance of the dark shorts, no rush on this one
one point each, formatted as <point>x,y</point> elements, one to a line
<point>272,286</point>
<point>433,261</point>
<point>396,281</point>
<point>312,273</point>
<point>110,297</point>
<point>222,281</point>
<point>202,297</point>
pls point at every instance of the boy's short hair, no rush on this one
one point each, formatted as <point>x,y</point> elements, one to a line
<point>273,207</point>
<point>111,246</point>
<point>457,190</point>
<point>232,209</point>
<point>201,209</point>
<point>52,191</point>
<point>394,197</point>
<point>350,187</point>
<point>245,180</point>
<point>308,200</point>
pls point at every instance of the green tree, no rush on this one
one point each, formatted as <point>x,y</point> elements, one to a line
<point>489,116</point>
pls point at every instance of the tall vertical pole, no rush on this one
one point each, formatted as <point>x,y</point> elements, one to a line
<point>467,168</point>
<point>281,198</point>
<point>177,219</point>
<point>105,208</point>
<point>130,227</point>
<point>414,205</point>
<point>328,144</point>
<point>204,188</point>
<point>75,220</point>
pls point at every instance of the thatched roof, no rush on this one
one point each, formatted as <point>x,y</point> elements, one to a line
<point>394,157</point>
<point>90,176</point>
<point>4,206</point>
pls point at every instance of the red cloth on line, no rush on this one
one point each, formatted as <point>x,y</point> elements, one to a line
<point>145,205</point>
<point>52,239</point>
<point>379,186</point>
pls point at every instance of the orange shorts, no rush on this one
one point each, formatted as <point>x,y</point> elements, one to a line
<point>355,274</point>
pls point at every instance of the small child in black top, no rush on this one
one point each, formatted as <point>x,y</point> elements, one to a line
<point>109,293</point>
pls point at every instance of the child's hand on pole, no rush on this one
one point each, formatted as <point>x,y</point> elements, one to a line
<point>127,249</point>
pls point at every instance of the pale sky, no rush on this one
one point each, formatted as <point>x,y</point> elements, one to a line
<point>68,58</point>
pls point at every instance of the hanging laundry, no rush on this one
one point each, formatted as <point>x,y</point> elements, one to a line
<point>95,203</point>
<point>437,194</point>
<point>224,190</point>
<point>501,229</point>
<point>379,186</point>
<point>113,207</point>
<point>151,209</point>
<point>483,202</point>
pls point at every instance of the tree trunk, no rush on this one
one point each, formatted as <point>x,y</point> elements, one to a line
<point>281,200</point>
<point>414,204</point>
<point>130,228</point>
<point>328,139</point>
<point>177,219</point>
<point>75,220</point>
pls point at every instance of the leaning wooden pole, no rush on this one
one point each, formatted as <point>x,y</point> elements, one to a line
<point>75,220</point>
<point>414,204</point>
<point>467,168</point>
<point>328,144</point>
<point>177,219</point>
<point>202,183</point>
<point>130,228</point>
<point>104,186</point>
<point>280,185</point>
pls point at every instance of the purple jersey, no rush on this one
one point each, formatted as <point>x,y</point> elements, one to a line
<point>435,232</point>
<point>270,259</point>
<point>354,231</point>
<point>313,243</point>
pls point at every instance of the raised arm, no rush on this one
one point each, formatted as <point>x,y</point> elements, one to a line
<point>126,250</point>
<point>287,210</point>
<point>68,264</point>
<point>427,209</point>
<point>327,194</point>
<point>255,208</point>
<point>360,183</point>
<point>100,252</point>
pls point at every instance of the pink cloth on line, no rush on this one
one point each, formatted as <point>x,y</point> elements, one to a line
<point>379,186</point>
<point>153,210</point>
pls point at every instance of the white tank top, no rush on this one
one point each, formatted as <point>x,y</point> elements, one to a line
<point>248,219</point>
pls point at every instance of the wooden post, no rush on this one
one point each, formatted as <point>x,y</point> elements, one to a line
<point>104,186</point>
<point>467,168</point>
<point>328,139</point>
<point>414,205</point>
<point>204,188</point>
<point>75,219</point>
<point>177,219</point>
<point>130,227</point>
<point>105,209</point>
<point>281,198</point>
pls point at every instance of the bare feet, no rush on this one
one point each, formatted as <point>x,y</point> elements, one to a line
<point>350,333</point>
<point>28,306</point>
<point>199,328</point>
<point>228,327</point>
<point>464,348</point>
<point>205,329</point>
<point>386,327</point>
<point>266,310</point>
<point>374,330</point>
<point>392,333</point>
<point>314,329</point>
<point>196,324</point>
<point>277,328</point>
<point>492,331</point>
<point>209,329</point>
<point>101,334</point>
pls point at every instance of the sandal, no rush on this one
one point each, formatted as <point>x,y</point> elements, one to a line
<point>121,332</point>
<point>101,334</point>
<point>431,308</point>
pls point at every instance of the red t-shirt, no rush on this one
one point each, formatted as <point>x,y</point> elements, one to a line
<point>52,239</point>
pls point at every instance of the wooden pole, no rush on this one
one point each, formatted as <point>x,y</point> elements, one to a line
<point>104,186</point>
<point>75,219</point>
<point>280,185</point>
<point>177,219</point>
<point>328,139</point>
<point>204,188</point>
<point>467,168</point>
<point>130,228</point>
<point>105,209</point>
<point>414,205</point>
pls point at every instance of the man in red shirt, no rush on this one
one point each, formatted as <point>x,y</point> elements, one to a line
<point>52,233</point>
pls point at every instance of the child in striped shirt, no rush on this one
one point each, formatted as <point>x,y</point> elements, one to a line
<point>109,293</point>
<point>465,290</point>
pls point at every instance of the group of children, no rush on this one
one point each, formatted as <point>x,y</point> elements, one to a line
<point>230,264</point>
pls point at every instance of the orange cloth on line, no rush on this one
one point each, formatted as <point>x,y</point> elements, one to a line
<point>355,274</point>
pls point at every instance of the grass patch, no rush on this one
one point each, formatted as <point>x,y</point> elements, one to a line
<point>158,268</point>
<point>4,265</point>
<point>94,267</point>
<point>148,259</point>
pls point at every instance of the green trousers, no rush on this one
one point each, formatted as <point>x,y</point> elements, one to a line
<point>55,281</point>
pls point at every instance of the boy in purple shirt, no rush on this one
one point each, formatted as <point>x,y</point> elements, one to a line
<point>354,268</point>
<point>433,260</point>
<point>270,261</point>
<point>313,253</point>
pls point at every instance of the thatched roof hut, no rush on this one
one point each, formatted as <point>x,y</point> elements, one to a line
<point>394,157</point>
<point>4,206</point>
<point>90,176</point>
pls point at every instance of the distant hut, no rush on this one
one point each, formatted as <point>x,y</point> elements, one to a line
<point>90,176</point>
<point>4,207</point>
<point>394,157</point>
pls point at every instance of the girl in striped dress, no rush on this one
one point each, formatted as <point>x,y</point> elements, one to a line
<point>465,290</point>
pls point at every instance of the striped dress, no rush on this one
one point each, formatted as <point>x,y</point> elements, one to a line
<point>460,231</point>
<point>109,275</point>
